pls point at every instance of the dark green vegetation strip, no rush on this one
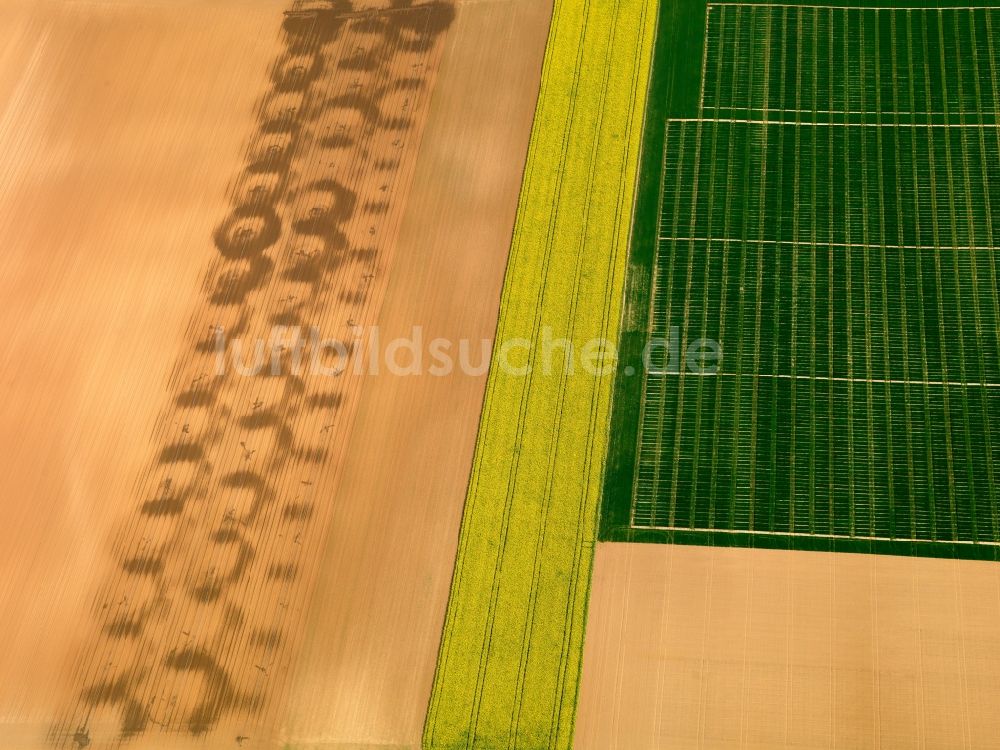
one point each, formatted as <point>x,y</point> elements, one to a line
<point>826,210</point>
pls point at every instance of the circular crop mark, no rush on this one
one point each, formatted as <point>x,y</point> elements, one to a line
<point>322,206</point>
<point>272,153</point>
<point>295,71</point>
<point>248,231</point>
<point>256,188</point>
<point>280,112</point>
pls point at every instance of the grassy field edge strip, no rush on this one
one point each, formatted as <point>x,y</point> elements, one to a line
<point>510,652</point>
<point>673,90</point>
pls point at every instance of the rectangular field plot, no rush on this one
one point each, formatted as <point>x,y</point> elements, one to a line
<point>829,219</point>
<point>813,456</point>
<point>821,64</point>
<point>842,260</point>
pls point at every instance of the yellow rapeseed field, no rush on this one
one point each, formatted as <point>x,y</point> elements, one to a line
<point>509,664</point>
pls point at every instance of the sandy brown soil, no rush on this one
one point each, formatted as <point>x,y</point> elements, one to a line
<point>365,674</point>
<point>113,178</point>
<point>694,647</point>
<point>194,556</point>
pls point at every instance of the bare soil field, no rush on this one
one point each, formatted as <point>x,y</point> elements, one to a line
<point>701,647</point>
<point>220,555</point>
<point>365,672</point>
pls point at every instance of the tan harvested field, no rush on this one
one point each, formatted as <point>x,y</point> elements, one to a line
<point>190,555</point>
<point>365,673</point>
<point>697,647</point>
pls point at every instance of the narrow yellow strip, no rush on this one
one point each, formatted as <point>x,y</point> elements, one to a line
<point>509,664</point>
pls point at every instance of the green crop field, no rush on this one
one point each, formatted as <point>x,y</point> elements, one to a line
<point>509,663</point>
<point>826,200</point>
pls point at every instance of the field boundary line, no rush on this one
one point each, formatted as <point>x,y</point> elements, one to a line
<point>825,243</point>
<point>799,124</point>
<point>833,379</point>
<point>906,9</point>
<point>810,535</point>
